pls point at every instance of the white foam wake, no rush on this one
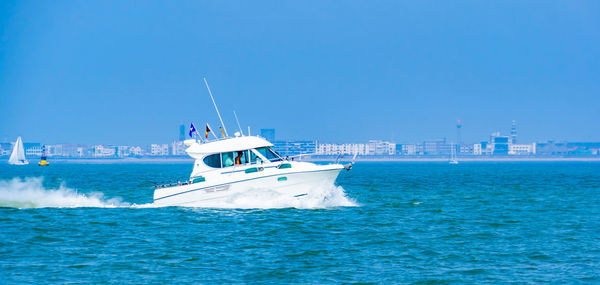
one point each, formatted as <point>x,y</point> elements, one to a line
<point>324,196</point>
<point>31,193</point>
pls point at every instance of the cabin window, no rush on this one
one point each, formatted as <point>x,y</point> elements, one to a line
<point>235,158</point>
<point>255,159</point>
<point>269,154</point>
<point>228,159</point>
<point>241,157</point>
<point>213,160</point>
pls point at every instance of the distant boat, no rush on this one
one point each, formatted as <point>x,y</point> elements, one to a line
<point>453,159</point>
<point>18,154</point>
<point>44,161</point>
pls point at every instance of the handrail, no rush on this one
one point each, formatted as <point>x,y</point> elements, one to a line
<point>179,183</point>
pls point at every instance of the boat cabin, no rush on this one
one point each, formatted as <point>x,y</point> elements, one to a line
<point>231,152</point>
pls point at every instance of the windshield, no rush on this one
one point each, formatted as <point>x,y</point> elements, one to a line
<point>270,154</point>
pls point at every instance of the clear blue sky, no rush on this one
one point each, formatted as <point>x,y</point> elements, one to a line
<point>130,72</point>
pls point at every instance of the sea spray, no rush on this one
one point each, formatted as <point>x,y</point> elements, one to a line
<point>31,193</point>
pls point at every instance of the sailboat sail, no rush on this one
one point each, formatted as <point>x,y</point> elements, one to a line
<point>18,154</point>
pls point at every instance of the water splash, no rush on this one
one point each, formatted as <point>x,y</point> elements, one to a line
<point>31,193</point>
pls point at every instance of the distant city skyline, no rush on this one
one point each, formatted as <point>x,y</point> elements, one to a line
<point>496,146</point>
<point>182,133</point>
<point>109,72</point>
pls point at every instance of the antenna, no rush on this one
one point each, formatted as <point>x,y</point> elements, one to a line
<point>213,100</point>
<point>238,122</point>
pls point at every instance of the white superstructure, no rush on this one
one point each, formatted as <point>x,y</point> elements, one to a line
<point>231,166</point>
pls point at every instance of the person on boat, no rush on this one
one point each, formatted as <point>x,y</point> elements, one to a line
<point>227,159</point>
<point>238,158</point>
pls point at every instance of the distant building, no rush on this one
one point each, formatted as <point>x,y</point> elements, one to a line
<point>268,134</point>
<point>373,147</point>
<point>122,151</point>
<point>181,132</point>
<point>336,149</point>
<point>521,149</point>
<point>513,132</point>
<point>54,150</point>
<point>104,151</point>
<point>477,149</point>
<point>74,150</point>
<point>553,148</point>
<point>583,148</point>
<point>136,151</point>
<point>485,148</point>
<point>178,148</point>
<point>159,149</point>
<point>377,147</point>
<point>33,149</point>
<point>5,149</point>
<point>499,144</point>
<point>436,147</point>
<point>355,148</point>
<point>82,151</point>
<point>420,148</point>
<point>408,149</point>
<point>430,147</point>
<point>466,149</point>
<point>295,147</point>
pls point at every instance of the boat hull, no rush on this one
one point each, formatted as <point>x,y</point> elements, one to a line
<point>284,182</point>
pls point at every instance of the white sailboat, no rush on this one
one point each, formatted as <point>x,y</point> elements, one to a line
<point>453,159</point>
<point>18,154</point>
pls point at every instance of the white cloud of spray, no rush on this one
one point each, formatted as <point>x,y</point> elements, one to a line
<point>31,193</point>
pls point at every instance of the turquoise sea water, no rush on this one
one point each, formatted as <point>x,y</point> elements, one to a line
<point>393,223</point>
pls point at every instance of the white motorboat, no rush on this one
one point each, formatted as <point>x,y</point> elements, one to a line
<point>17,157</point>
<point>232,166</point>
<point>235,165</point>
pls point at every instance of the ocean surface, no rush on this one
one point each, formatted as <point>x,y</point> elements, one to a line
<point>381,223</point>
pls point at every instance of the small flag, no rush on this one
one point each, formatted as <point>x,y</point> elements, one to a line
<point>192,129</point>
<point>207,131</point>
<point>223,133</point>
